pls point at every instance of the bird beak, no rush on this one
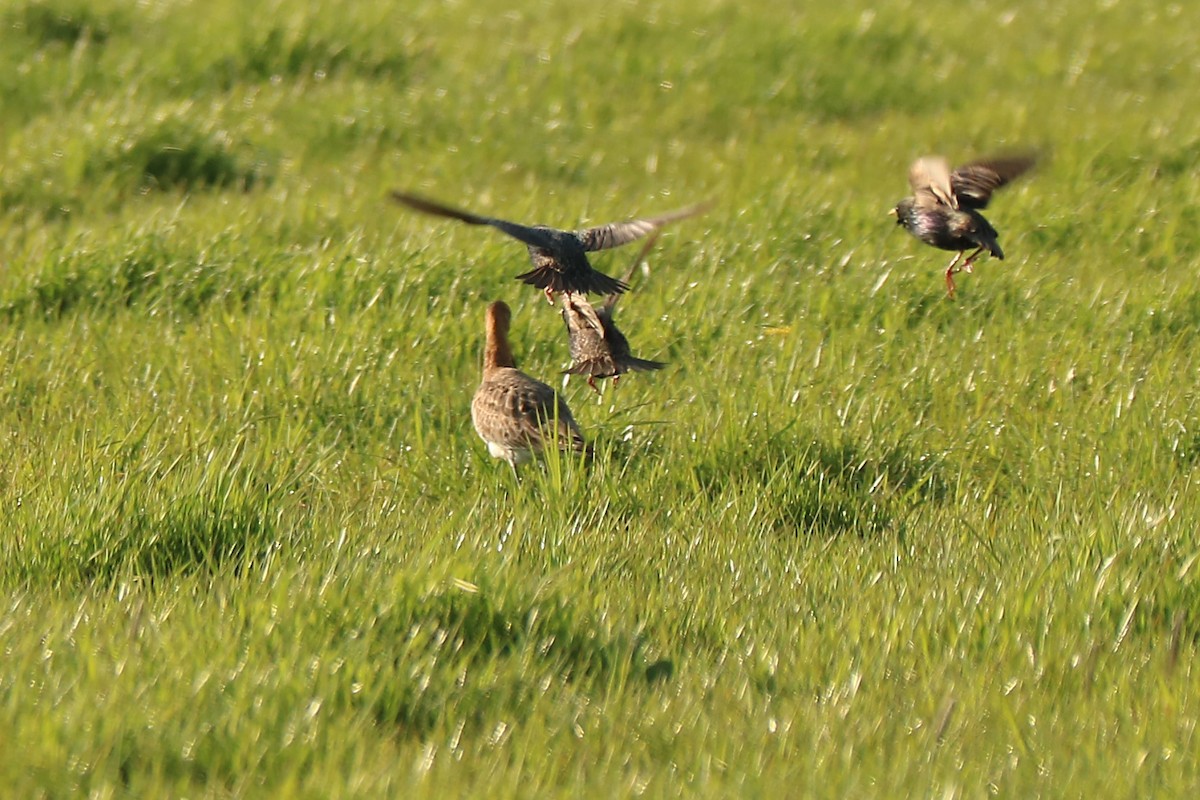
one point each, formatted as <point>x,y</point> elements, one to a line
<point>891,212</point>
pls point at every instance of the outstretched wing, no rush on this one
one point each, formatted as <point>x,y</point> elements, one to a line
<point>524,233</point>
<point>611,301</point>
<point>974,183</point>
<point>619,233</point>
<point>930,180</point>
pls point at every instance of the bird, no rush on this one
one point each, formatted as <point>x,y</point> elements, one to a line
<point>560,262</point>
<point>517,416</point>
<point>944,208</point>
<point>598,348</point>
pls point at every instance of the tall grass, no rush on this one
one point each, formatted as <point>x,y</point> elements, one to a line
<point>857,539</point>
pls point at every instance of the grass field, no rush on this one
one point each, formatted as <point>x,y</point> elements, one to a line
<point>857,540</point>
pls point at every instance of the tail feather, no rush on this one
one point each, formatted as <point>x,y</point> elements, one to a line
<point>607,368</point>
<point>592,282</point>
<point>596,367</point>
<point>643,365</point>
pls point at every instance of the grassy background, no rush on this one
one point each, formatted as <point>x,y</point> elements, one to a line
<point>857,540</point>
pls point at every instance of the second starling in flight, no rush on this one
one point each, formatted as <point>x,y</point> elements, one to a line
<point>944,208</point>
<point>598,348</point>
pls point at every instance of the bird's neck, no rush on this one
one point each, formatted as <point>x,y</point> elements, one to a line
<point>496,352</point>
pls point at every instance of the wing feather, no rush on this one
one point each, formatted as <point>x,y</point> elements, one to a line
<point>974,183</point>
<point>930,180</point>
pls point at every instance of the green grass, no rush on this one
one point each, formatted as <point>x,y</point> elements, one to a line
<point>856,540</point>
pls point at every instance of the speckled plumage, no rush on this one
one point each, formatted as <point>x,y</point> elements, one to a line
<point>944,209</point>
<point>598,348</point>
<point>559,258</point>
<point>516,415</point>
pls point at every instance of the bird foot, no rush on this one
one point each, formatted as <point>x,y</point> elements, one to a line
<point>549,295</point>
<point>592,383</point>
<point>950,282</point>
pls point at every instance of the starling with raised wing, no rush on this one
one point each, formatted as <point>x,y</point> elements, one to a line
<point>944,208</point>
<point>560,262</point>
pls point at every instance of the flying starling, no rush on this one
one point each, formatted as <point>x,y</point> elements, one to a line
<point>944,208</point>
<point>560,262</point>
<point>514,414</point>
<point>598,348</point>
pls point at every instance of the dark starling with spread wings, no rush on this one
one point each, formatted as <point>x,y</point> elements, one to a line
<point>516,415</point>
<point>944,208</point>
<point>560,262</point>
<point>598,348</point>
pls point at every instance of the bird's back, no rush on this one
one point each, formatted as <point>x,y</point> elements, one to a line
<point>518,414</point>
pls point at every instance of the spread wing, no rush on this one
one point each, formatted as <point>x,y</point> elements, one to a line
<point>611,300</point>
<point>974,183</point>
<point>523,233</point>
<point>619,233</point>
<point>930,181</point>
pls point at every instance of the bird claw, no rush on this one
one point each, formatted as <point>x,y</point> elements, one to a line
<point>592,383</point>
<point>549,295</point>
<point>950,282</point>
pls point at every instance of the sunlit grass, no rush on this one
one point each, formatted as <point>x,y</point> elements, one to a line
<point>856,540</point>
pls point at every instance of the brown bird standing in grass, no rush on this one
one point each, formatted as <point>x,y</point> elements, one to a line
<point>598,348</point>
<point>514,414</point>
<point>560,262</point>
<point>944,208</point>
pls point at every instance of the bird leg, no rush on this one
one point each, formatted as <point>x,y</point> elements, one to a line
<point>966,267</point>
<point>592,383</point>
<point>950,270</point>
<point>549,295</point>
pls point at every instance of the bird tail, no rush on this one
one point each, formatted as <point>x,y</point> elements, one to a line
<point>593,283</point>
<point>576,444</point>
<point>596,367</point>
<point>643,365</point>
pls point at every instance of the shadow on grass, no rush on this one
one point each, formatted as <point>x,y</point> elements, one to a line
<point>177,154</point>
<point>223,528</point>
<point>137,510</point>
<point>465,656</point>
<point>64,22</point>
<point>1180,318</point>
<point>817,486</point>
<point>278,52</point>
<point>146,272</point>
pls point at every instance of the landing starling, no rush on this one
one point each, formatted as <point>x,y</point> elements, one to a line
<point>598,348</point>
<point>944,208</point>
<point>514,414</point>
<point>559,258</point>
